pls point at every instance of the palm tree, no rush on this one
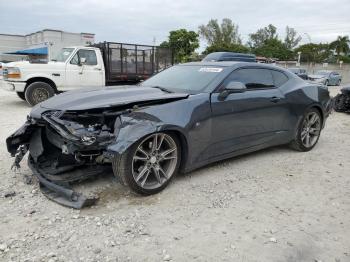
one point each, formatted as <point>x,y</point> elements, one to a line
<point>341,45</point>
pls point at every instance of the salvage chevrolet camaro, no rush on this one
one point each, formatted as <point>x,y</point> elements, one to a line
<point>180,119</point>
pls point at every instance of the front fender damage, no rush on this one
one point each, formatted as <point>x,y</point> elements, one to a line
<point>134,127</point>
<point>60,151</point>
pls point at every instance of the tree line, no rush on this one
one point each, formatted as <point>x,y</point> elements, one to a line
<point>264,42</point>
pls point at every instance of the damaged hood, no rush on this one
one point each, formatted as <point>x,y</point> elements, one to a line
<point>106,97</point>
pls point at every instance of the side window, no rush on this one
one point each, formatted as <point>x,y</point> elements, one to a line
<point>279,78</point>
<point>75,60</point>
<point>89,55</point>
<point>253,78</point>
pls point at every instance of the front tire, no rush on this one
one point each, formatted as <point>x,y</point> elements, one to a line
<point>38,92</point>
<point>326,83</point>
<point>308,132</point>
<point>148,166</point>
<point>338,82</point>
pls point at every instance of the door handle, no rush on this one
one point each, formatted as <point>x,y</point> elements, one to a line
<point>97,69</point>
<point>275,99</point>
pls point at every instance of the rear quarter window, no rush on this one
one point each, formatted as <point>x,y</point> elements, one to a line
<point>279,78</point>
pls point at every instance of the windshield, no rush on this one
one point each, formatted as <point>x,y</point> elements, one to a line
<point>63,55</point>
<point>183,78</point>
<point>323,73</point>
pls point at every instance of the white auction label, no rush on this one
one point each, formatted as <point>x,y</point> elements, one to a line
<point>210,69</point>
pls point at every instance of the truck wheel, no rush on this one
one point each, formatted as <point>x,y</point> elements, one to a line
<point>21,95</point>
<point>148,166</point>
<point>38,92</point>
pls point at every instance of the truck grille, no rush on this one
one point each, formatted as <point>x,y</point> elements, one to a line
<point>5,73</point>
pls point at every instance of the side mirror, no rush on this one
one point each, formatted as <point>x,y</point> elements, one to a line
<point>82,61</point>
<point>232,87</point>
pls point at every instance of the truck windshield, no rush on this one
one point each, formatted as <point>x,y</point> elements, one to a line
<point>63,55</point>
<point>183,78</point>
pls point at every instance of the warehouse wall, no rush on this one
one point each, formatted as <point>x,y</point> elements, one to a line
<point>54,39</point>
<point>10,43</point>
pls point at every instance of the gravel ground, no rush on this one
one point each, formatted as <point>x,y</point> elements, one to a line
<point>273,205</point>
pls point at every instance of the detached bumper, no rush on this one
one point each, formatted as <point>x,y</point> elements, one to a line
<point>61,194</point>
<point>54,169</point>
<point>14,86</point>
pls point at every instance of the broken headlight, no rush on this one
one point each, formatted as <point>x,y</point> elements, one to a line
<point>88,139</point>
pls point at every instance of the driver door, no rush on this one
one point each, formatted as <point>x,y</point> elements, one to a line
<point>87,73</point>
<point>248,118</point>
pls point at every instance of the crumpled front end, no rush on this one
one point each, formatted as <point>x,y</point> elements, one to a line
<point>65,147</point>
<point>77,134</point>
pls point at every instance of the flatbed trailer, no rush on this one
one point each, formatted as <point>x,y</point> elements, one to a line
<point>132,62</point>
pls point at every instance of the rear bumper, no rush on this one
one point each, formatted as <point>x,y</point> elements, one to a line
<point>14,86</point>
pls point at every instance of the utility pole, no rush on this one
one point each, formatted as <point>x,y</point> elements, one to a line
<point>154,52</point>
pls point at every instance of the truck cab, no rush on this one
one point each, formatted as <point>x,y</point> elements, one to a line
<point>74,67</point>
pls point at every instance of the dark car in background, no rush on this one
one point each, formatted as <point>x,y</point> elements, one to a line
<point>183,118</point>
<point>326,77</point>
<point>229,56</point>
<point>301,72</point>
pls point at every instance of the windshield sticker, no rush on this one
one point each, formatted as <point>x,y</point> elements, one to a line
<point>66,53</point>
<point>210,69</point>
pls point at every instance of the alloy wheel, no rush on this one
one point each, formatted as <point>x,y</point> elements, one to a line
<point>311,129</point>
<point>154,161</point>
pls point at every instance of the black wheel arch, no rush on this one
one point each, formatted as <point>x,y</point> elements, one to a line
<point>41,79</point>
<point>120,149</point>
<point>184,147</point>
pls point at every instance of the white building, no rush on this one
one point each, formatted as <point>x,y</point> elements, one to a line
<point>43,44</point>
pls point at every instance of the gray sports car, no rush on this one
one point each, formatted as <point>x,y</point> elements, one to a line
<point>180,119</point>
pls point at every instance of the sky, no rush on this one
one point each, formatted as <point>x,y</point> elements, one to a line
<point>142,21</point>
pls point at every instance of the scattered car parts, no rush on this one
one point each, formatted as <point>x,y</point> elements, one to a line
<point>341,101</point>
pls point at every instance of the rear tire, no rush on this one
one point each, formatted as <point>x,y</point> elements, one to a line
<point>21,95</point>
<point>308,131</point>
<point>148,169</point>
<point>37,92</point>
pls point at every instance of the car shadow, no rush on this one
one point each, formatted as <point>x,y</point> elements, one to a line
<point>245,157</point>
<point>111,193</point>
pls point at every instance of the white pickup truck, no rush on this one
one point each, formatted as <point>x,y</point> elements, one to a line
<point>103,64</point>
